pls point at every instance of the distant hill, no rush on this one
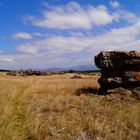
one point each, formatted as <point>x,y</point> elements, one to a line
<point>83,68</point>
<point>76,68</point>
<point>55,69</point>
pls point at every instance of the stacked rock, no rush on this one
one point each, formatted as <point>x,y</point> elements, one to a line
<point>118,69</point>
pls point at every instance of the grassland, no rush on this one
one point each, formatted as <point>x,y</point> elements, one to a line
<point>46,108</point>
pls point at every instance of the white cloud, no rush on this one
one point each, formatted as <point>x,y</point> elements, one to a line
<point>22,35</point>
<point>73,16</point>
<point>75,47</point>
<point>54,44</point>
<point>37,34</point>
<point>116,39</point>
<point>114,4</point>
<point>5,58</point>
<point>26,36</point>
<point>127,16</point>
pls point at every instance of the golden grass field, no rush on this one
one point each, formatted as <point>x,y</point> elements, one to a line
<point>46,108</point>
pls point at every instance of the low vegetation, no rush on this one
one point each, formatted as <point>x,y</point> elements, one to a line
<point>48,108</point>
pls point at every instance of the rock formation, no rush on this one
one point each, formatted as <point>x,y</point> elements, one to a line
<point>118,69</point>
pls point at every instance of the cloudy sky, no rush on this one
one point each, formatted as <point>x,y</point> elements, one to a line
<point>63,33</point>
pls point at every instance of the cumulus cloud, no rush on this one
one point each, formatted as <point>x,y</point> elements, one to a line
<point>55,44</point>
<point>26,36</point>
<point>22,35</point>
<point>114,4</point>
<point>72,16</point>
<point>37,34</point>
<point>116,39</point>
<point>6,61</point>
<point>75,47</point>
<point>128,16</point>
<point>6,58</point>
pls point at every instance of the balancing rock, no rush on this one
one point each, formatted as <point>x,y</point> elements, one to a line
<point>118,69</point>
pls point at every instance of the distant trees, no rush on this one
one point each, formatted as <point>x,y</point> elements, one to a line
<point>71,71</point>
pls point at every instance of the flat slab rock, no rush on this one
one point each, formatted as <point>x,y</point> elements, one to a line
<point>118,60</point>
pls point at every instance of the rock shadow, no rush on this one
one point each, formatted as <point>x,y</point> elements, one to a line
<point>86,91</point>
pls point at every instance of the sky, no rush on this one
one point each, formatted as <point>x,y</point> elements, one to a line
<point>40,34</point>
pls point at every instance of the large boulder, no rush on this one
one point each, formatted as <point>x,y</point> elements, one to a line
<point>118,69</point>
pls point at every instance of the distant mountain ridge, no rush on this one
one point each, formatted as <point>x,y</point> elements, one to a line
<point>75,68</point>
<point>55,69</point>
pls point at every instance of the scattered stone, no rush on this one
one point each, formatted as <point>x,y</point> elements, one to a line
<point>77,77</point>
<point>25,73</point>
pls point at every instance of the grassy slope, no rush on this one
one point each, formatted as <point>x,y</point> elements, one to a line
<point>38,108</point>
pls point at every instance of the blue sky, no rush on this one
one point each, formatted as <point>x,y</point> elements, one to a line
<point>63,33</point>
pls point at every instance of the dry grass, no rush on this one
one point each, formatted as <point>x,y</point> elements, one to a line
<point>46,108</point>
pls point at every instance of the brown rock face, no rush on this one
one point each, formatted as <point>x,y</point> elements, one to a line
<point>118,60</point>
<point>118,69</point>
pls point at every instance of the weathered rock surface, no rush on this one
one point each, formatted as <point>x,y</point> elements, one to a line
<point>118,60</point>
<point>119,69</point>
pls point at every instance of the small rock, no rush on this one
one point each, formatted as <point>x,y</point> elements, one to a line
<point>76,77</point>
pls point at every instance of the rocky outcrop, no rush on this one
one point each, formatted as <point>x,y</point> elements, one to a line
<point>118,69</point>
